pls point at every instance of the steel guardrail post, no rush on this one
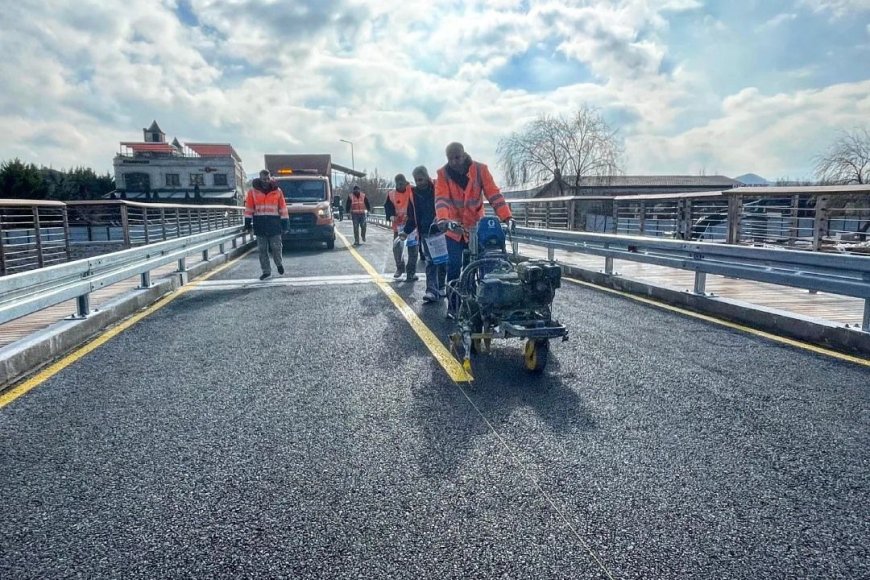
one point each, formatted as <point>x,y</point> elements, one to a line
<point>145,226</point>
<point>820,225</point>
<point>793,222</point>
<point>40,260</point>
<point>145,280</point>
<point>572,207</point>
<point>700,282</point>
<point>125,226</point>
<point>2,248</point>
<point>163,222</point>
<point>66,233</point>
<point>734,208</point>
<point>83,305</point>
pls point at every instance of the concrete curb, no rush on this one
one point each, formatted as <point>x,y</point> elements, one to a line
<point>779,322</point>
<point>44,347</point>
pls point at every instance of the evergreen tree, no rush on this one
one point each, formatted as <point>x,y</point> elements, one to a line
<point>19,180</point>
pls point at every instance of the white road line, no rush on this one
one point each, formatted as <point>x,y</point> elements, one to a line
<point>227,284</point>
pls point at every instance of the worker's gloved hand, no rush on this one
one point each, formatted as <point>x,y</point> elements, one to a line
<point>511,225</point>
<point>403,236</point>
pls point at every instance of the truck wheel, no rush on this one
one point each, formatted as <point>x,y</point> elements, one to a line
<point>330,244</point>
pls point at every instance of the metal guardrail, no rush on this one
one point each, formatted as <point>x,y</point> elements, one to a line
<point>820,218</point>
<point>27,292</point>
<point>845,275</point>
<point>35,234</point>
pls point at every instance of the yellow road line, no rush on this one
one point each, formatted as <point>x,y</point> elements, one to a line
<point>105,337</point>
<point>732,325</point>
<point>452,366</point>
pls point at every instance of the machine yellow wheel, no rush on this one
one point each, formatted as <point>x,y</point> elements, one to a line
<point>536,355</point>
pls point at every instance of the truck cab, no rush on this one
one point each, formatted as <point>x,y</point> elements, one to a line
<point>309,203</point>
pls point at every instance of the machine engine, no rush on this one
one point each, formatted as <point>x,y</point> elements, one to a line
<point>531,286</point>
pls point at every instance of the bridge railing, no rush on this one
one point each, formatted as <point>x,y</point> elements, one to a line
<point>28,292</point>
<point>822,218</point>
<point>35,234</point>
<point>845,275</point>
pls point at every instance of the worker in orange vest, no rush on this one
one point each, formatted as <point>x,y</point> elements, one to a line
<point>459,191</point>
<point>357,205</point>
<point>396,210</point>
<point>266,212</point>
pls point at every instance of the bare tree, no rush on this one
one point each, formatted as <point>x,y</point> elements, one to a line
<point>847,160</point>
<point>559,148</point>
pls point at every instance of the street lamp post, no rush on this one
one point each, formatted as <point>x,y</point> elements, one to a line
<point>352,162</point>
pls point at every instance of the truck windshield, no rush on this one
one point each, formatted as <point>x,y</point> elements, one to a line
<point>299,190</point>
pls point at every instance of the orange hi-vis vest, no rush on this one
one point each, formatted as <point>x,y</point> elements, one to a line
<point>401,200</point>
<point>358,203</point>
<point>267,210</point>
<point>466,205</point>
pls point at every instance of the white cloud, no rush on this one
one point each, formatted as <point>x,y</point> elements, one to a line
<point>838,8</point>
<point>776,135</point>
<point>399,78</point>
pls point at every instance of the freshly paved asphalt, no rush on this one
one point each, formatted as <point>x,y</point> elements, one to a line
<point>269,431</point>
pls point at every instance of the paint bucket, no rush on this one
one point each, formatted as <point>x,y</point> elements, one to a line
<point>437,244</point>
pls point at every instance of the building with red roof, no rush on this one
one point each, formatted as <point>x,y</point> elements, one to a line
<point>154,170</point>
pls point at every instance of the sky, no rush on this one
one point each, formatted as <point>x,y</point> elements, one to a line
<point>691,86</point>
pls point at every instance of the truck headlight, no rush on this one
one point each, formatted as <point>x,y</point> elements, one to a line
<point>323,213</point>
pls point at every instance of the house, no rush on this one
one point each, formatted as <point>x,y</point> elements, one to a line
<point>154,170</point>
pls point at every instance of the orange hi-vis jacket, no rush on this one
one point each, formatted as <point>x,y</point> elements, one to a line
<point>358,203</point>
<point>267,210</point>
<point>466,205</point>
<point>401,200</point>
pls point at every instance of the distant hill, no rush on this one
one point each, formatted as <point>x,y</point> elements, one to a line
<point>751,179</point>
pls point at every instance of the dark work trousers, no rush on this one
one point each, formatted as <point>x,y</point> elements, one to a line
<point>359,226</point>
<point>413,254</point>
<point>454,267</point>
<point>269,245</point>
<point>398,251</point>
<point>435,273</point>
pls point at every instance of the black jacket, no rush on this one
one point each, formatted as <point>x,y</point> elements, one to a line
<point>422,213</point>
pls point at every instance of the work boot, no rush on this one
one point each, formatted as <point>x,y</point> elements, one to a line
<point>280,269</point>
<point>429,297</point>
<point>399,271</point>
<point>412,278</point>
<point>265,275</point>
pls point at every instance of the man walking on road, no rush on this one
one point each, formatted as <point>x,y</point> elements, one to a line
<point>421,215</point>
<point>357,205</point>
<point>266,211</point>
<point>396,209</point>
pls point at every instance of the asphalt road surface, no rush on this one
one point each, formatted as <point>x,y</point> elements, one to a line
<point>300,428</point>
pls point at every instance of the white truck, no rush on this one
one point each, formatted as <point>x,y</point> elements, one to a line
<point>307,185</point>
